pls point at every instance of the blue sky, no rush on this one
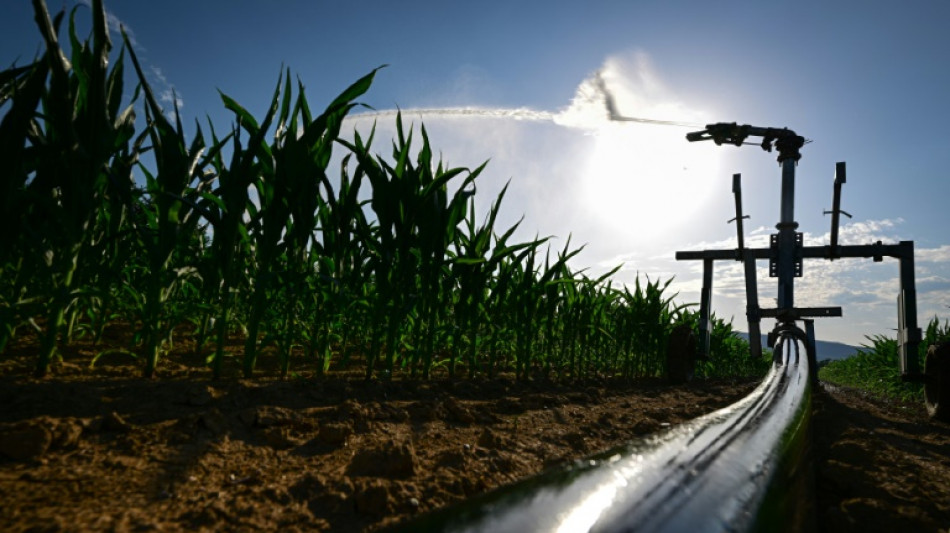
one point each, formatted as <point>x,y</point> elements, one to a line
<point>865,81</point>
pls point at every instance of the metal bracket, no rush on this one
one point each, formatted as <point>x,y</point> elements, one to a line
<point>797,313</point>
<point>774,244</point>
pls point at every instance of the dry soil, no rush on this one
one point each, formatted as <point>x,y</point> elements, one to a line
<point>104,450</point>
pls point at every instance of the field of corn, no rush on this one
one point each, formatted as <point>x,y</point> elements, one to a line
<point>114,217</point>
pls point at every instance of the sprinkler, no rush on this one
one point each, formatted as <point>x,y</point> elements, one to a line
<point>786,253</point>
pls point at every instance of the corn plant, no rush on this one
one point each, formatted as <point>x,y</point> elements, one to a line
<point>529,305</point>
<point>415,221</point>
<point>170,217</point>
<point>225,208</point>
<point>21,88</point>
<point>69,152</point>
<point>341,266</point>
<point>438,218</point>
<point>267,221</point>
<point>729,354</point>
<point>302,190</point>
<point>474,262</point>
<point>875,368</point>
<point>587,332</point>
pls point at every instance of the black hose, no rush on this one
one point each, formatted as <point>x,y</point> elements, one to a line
<point>742,468</point>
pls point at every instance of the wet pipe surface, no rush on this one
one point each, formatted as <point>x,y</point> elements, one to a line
<point>741,468</point>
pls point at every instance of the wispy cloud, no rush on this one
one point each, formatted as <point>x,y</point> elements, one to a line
<point>940,254</point>
<point>115,26</point>
<point>166,91</point>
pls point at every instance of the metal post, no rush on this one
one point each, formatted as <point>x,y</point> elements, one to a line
<point>751,285</point>
<point>786,237</point>
<point>908,334</point>
<point>788,192</point>
<point>811,350</point>
<point>737,191</point>
<point>705,307</point>
<point>752,306</point>
<point>836,212</point>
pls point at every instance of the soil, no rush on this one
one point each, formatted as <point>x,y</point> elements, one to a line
<point>881,465</point>
<point>101,449</point>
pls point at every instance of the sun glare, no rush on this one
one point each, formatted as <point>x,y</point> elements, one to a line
<point>647,180</point>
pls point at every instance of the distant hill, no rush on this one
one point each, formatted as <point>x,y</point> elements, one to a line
<point>826,350</point>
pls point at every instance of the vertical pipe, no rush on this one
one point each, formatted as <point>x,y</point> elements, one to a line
<point>752,306</point>
<point>786,237</point>
<point>812,350</point>
<point>908,334</point>
<point>840,179</point>
<point>705,306</point>
<point>788,191</point>
<point>737,191</point>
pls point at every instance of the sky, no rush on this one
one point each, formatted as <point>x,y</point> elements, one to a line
<point>522,85</point>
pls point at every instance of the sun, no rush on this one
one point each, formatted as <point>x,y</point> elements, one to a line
<point>647,180</point>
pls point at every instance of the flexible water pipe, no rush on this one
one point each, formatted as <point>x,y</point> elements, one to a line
<point>741,468</point>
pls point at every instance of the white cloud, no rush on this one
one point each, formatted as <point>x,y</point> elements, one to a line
<point>868,231</point>
<point>167,94</point>
<point>940,254</point>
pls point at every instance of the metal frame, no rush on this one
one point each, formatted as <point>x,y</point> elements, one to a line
<point>787,252</point>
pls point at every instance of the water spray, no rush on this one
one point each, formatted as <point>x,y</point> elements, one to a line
<point>520,113</point>
<point>614,116</point>
<point>602,96</point>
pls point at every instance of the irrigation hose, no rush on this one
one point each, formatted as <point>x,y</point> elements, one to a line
<point>741,468</point>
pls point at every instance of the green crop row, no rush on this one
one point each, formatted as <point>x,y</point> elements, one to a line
<point>253,235</point>
<point>875,366</point>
